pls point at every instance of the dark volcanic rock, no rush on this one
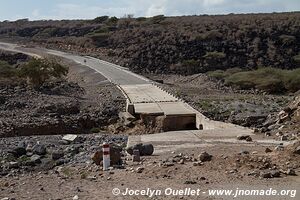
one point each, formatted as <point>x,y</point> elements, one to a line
<point>18,151</point>
<point>144,149</point>
<point>40,149</point>
<point>115,156</point>
<point>204,156</point>
<point>36,159</point>
<point>57,155</point>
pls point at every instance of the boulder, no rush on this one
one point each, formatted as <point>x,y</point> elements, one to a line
<point>115,156</point>
<point>148,149</point>
<point>291,172</point>
<point>97,157</point>
<point>244,137</point>
<point>265,175</point>
<point>275,173</point>
<point>297,150</point>
<point>57,155</point>
<point>268,150</point>
<point>270,174</point>
<point>18,151</point>
<point>283,138</point>
<point>144,149</point>
<point>136,156</point>
<point>13,165</point>
<point>244,152</point>
<point>204,156</point>
<point>139,170</point>
<point>40,149</point>
<point>35,159</point>
<point>70,138</point>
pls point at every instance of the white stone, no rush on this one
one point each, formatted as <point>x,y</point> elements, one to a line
<point>70,137</point>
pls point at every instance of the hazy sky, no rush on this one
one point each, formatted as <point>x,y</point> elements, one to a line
<point>87,9</point>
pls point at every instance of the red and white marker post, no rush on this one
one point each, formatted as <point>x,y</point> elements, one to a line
<point>106,156</point>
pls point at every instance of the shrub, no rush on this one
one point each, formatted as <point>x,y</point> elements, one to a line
<point>112,21</point>
<point>214,55</point>
<point>37,71</point>
<point>287,39</point>
<point>268,79</point>
<point>296,59</point>
<point>7,70</point>
<point>241,80</point>
<point>141,19</point>
<point>157,19</point>
<point>101,19</point>
<point>233,70</point>
<point>221,74</point>
<point>292,80</point>
<point>210,35</point>
<point>218,74</point>
<point>95,130</point>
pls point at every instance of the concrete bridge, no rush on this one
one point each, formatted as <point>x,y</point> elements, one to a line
<point>144,97</point>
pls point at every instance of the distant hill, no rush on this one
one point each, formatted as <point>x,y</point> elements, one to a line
<point>185,45</point>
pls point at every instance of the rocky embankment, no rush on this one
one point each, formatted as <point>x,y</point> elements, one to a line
<point>55,108</point>
<point>75,104</point>
<point>286,124</point>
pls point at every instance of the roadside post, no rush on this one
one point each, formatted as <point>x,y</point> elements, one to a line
<point>106,156</point>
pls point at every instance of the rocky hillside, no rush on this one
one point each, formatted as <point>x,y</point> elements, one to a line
<point>185,45</point>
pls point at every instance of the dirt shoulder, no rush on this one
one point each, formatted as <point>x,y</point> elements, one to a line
<point>228,169</point>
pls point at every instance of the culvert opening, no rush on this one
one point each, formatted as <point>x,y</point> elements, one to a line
<point>168,123</point>
<point>179,122</point>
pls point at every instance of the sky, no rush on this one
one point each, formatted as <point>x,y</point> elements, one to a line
<point>89,9</point>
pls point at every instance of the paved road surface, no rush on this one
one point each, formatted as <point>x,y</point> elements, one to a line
<point>114,73</point>
<point>176,140</point>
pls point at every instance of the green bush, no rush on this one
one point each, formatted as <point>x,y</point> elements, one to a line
<point>233,70</point>
<point>101,19</point>
<point>6,70</point>
<point>268,79</point>
<point>292,80</point>
<point>218,74</point>
<point>95,130</point>
<point>214,55</point>
<point>296,59</point>
<point>287,39</point>
<point>112,21</point>
<point>37,71</point>
<point>157,19</point>
<point>141,19</point>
